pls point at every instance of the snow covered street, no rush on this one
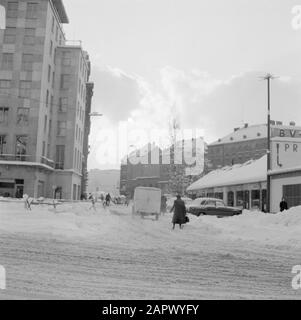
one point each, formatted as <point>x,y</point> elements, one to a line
<point>76,253</point>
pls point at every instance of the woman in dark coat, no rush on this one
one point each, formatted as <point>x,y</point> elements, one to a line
<point>179,216</point>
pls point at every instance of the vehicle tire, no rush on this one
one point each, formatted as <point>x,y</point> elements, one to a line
<point>201,214</point>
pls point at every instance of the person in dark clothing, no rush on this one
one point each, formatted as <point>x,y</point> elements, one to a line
<point>108,199</point>
<point>283,205</point>
<point>179,209</point>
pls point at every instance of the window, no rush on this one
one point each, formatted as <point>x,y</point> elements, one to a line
<point>32,10</point>
<point>51,103</point>
<point>5,86</point>
<point>21,147</point>
<point>50,126</point>
<point>3,115</point>
<point>51,48</point>
<point>44,149</point>
<point>52,27</point>
<point>12,10</point>
<point>49,73</point>
<point>2,144</point>
<point>10,35</point>
<point>65,81</point>
<point>7,61</point>
<point>47,98</point>
<point>66,60</point>
<point>292,194</point>
<point>61,128</point>
<point>27,62</point>
<point>53,77</point>
<point>25,89</point>
<point>23,116</point>
<point>76,132</point>
<point>56,33</point>
<point>63,104</point>
<point>45,124</point>
<point>29,36</point>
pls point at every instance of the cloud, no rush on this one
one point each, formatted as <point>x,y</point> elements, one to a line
<point>116,93</point>
<point>195,98</point>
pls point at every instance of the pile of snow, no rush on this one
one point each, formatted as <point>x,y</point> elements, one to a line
<point>279,229</point>
<point>117,225</point>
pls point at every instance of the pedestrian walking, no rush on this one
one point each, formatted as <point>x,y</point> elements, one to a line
<point>92,203</point>
<point>283,205</point>
<point>179,209</point>
<point>108,199</point>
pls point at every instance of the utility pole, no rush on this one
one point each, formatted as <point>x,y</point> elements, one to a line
<point>268,78</point>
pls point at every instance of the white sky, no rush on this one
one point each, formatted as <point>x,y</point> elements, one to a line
<point>199,60</point>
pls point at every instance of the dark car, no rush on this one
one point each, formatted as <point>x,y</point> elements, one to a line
<point>212,207</point>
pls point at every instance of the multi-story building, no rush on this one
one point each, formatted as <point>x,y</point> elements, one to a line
<point>153,167</point>
<point>43,87</point>
<point>243,144</point>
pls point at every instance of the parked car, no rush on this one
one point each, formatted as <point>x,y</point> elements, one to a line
<point>212,207</point>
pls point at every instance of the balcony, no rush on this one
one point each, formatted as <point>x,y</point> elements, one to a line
<point>10,158</point>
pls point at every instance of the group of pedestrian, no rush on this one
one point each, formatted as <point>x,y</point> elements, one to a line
<point>106,200</point>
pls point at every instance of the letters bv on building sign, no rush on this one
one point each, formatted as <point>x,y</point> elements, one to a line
<point>288,133</point>
<point>286,153</point>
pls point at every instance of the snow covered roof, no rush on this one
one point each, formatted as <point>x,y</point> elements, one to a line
<point>253,132</point>
<point>243,134</point>
<point>250,172</point>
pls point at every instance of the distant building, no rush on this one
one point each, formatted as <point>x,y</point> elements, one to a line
<point>243,144</point>
<point>43,101</point>
<point>153,167</point>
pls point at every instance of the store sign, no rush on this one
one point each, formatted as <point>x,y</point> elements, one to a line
<point>285,154</point>
<point>287,133</point>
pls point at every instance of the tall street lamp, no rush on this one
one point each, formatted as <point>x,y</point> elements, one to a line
<point>268,78</point>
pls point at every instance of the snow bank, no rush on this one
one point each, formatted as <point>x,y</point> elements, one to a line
<point>278,229</point>
<point>116,225</point>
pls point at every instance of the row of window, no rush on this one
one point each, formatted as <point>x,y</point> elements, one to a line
<point>7,62</point>
<point>31,10</point>
<point>21,144</point>
<point>10,36</point>
<point>22,116</point>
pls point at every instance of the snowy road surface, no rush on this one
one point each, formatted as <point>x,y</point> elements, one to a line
<point>74,253</point>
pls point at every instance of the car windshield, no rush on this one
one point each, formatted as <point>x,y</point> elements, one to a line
<point>220,204</point>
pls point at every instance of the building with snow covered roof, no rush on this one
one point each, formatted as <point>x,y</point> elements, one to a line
<point>242,185</point>
<point>243,144</point>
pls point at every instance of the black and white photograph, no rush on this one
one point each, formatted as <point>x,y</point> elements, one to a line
<point>150,150</point>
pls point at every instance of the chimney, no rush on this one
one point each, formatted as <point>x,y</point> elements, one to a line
<point>236,129</point>
<point>292,123</point>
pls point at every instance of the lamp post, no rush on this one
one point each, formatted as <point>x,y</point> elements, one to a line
<point>268,78</point>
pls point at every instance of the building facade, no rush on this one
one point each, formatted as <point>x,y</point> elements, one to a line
<point>43,86</point>
<point>243,144</point>
<point>154,167</point>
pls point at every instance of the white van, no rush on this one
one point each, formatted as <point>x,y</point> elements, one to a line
<point>147,202</point>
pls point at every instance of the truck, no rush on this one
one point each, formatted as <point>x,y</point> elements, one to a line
<point>147,202</point>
